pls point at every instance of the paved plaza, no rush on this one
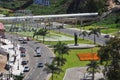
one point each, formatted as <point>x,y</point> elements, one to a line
<point>80,46</point>
<point>80,73</point>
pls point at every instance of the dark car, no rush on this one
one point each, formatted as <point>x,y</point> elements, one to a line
<point>40,65</point>
<point>23,42</point>
<point>22,49</point>
<point>107,36</point>
<point>24,62</point>
<point>7,67</point>
<point>26,69</point>
<point>22,54</point>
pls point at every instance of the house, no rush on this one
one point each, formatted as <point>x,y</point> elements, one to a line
<point>2,30</point>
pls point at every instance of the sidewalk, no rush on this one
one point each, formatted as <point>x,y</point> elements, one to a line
<point>80,73</point>
<point>17,68</point>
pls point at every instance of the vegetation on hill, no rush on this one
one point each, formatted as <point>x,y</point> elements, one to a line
<point>57,6</point>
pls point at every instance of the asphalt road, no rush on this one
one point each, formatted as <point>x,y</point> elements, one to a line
<point>100,40</point>
<point>46,57</point>
<point>39,73</point>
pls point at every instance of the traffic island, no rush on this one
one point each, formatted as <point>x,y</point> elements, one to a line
<point>80,46</point>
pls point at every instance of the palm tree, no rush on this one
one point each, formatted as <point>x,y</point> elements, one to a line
<point>41,32</point>
<point>111,55</point>
<point>95,32</point>
<point>61,49</point>
<point>84,33</point>
<point>61,60</point>
<point>35,33</point>
<point>52,68</point>
<point>93,67</point>
<point>59,27</point>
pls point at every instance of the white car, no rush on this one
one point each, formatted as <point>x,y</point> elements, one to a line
<point>26,69</point>
<point>38,51</point>
<point>20,39</point>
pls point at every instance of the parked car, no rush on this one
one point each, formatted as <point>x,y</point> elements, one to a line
<point>22,54</point>
<point>20,39</point>
<point>40,65</point>
<point>23,42</point>
<point>26,69</point>
<point>26,38</point>
<point>22,49</point>
<point>7,67</point>
<point>24,62</point>
<point>107,36</point>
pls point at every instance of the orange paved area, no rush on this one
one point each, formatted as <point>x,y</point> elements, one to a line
<point>88,56</point>
<point>3,61</point>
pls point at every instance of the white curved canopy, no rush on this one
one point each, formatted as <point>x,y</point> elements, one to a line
<point>49,16</point>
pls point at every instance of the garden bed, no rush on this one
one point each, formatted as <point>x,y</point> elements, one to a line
<point>88,56</point>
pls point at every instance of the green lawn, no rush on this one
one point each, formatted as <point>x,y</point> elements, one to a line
<point>110,31</point>
<point>73,61</point>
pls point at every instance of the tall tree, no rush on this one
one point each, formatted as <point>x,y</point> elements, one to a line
<point>95,32</point>
<point>61,49</point>
<point>41,32</point>
<point>110,54</point>
<point>52,68</point>
<point>35,33</point>
<point>83,33</point>
<point>93,67</point>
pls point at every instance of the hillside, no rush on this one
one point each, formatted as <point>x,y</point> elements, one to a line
<point>56,6</point>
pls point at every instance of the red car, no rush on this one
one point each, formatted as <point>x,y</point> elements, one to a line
<point>22,49</point>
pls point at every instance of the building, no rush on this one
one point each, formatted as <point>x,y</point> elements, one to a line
<point>2,30</point>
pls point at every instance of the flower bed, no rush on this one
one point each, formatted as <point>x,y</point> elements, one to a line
<point>88,56</point>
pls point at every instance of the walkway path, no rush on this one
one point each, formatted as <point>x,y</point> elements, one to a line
<point>79,73</point>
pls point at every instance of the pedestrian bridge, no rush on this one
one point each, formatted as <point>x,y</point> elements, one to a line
<point>39,17</point>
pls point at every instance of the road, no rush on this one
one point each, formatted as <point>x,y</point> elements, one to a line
<point>46,57</point>
<point>39,73</point>
<point>100,40</point>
